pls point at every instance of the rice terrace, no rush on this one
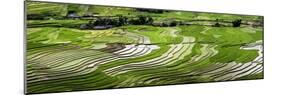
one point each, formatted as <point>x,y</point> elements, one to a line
<point>73,47</point>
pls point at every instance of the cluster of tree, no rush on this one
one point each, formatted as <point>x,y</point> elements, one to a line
<point>141,20</point>
<point>151,10</point>
<point>119,21</point>
<point>35,16</point>
<point>41,16</point>
<point>217,24</point>
<point>236,23</point>
<point>122,20</point>
<point>169,24</point>
<point>108,21</point>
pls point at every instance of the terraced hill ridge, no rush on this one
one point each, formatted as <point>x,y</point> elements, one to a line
<point>186,47</point>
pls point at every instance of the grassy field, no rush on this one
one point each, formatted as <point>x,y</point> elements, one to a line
<point>62,56</point>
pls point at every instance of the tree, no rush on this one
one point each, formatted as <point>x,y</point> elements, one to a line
<point>151,10</point>
<point>122,20</point>
<point>217,24</point>
<point>173,23</point>
<point>142,20</point>
<point>150,21</point>
<point>236,23</point>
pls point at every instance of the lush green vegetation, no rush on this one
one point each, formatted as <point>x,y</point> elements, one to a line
<point>73,47</point>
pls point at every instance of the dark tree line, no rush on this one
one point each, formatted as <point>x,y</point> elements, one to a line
<point>151,10</point>
<point>141,20</point>
<point>169,24</point>
<point>42,16</point>
<point>119,21</point>
<point>235,23</point>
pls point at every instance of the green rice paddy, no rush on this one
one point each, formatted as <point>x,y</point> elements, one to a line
<point>63,57</point>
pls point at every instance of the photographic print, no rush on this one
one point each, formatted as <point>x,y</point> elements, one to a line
<point>79,47</point>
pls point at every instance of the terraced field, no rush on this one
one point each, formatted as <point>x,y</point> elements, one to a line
<point>62,57</point>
